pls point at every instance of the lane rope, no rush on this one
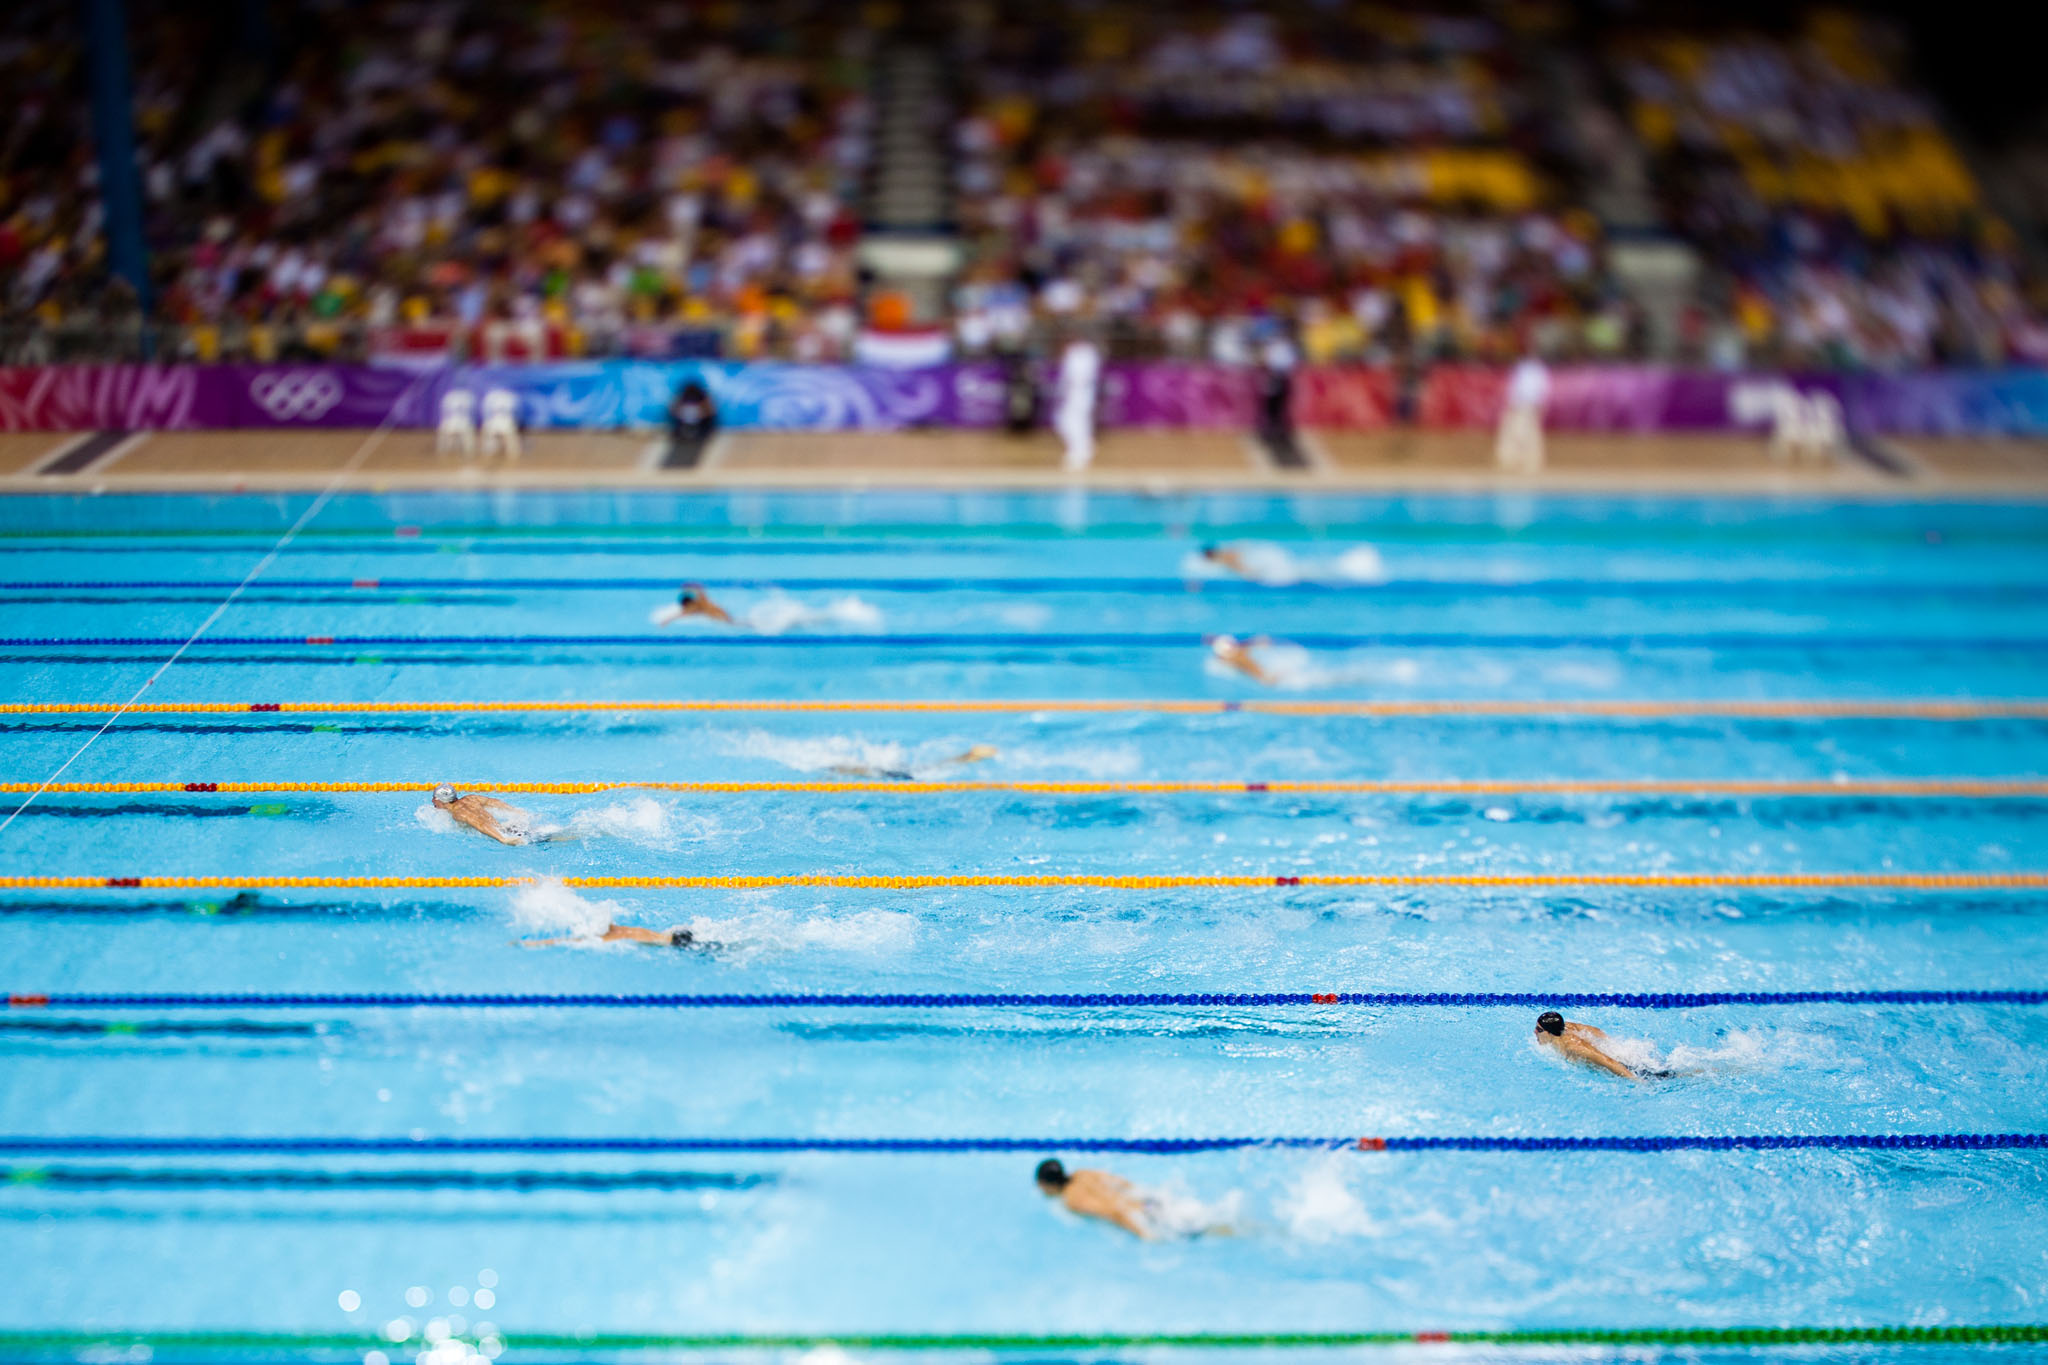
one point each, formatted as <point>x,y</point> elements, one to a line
<point>1462,589</point>
<point>519,1182</point>
<point>2022,708</point>
<point>77,1343</point>
<point>1729,640</point>
<point>1924,881</point>
<point>1634,1000</point>
<point>313,509</point>
<point>24,1145</point>
<point>1890,787</point>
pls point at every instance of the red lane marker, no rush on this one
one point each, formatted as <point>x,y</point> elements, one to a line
<point>264,706</point>
<point>319,639</point>
<point>405,532</point>
<point>202,786</point>
<point>27,1001</point>
<point>1433,1336</point>
<point>124,881</point>
<point>364,583</point>
<point>1321,998</point>
<point>1372,1144</point>
<point>1256,787</point>
<point>1287,881</point>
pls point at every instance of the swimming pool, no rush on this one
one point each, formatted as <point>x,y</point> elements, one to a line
<point>1578,645</point>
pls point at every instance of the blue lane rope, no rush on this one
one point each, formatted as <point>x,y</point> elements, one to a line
<point>1082,640</point>
<point>1174,587</point>
<point>1157,1146</point>
<point>1676,1000</point>
<point>520,1182</point>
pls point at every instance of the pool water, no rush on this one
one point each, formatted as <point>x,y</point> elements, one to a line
<point>1011,598</point>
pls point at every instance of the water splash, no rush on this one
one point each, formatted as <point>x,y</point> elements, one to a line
<point>1320,1205</point>
<point>547,906</point>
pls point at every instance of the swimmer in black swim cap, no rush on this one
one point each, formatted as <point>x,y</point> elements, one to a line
<point>614,932</point>
<point>1587,1045</point>
<point>1223,557</point>
<point>694,601</point>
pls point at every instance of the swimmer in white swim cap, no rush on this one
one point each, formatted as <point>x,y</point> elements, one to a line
<point>486,815</point>
<point>1231,652</point>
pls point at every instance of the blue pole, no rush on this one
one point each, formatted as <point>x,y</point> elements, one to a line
<point>113,131</point>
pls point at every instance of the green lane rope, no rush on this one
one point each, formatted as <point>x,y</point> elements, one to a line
<point>1971,1334</point>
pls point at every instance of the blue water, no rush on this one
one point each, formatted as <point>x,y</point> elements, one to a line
<point>1620,599</point>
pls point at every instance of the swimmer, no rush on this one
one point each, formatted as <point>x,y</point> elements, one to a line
<point>1113,1199</point>
<point>693,601</point>
<point>1096,1194</point>
<point>1223,557</point>
<point>615,932</point>
<point>1584,1043</point>
<point>487,815</point>
<point>1229,651</point>
<point>978,754</point>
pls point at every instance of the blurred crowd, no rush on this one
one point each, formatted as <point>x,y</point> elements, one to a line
<point>540,179</point>
<point>1190,181</point>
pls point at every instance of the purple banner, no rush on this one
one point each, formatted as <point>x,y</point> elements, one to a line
<point>775,396</point>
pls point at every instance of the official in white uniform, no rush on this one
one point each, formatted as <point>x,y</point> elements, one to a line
<point>1518,446</point>
<point>1080,378</point>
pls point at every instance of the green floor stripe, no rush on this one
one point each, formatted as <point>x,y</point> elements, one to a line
<point>1561,1336</point>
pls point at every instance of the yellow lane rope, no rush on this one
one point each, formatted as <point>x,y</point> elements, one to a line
<point>1933,881</point>
<point>1950,787</point>
<point>1876,709</point>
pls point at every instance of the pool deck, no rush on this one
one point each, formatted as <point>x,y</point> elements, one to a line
<point>1151,460</point>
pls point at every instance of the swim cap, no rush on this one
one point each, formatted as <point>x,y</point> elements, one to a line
<point>1551,1022</point>
<point>444,792</point>
<point>1051,1172</point>
<point>686,596</point>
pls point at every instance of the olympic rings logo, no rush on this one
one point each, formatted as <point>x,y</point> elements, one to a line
<point>296,395</point>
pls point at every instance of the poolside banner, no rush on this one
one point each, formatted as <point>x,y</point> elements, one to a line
<point>781,396</point>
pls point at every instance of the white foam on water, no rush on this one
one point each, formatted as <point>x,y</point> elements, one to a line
<point>1025,615</point>
<point>1098,763</point>
<point>779,612</point>
<point>641,819</point>
<point>1275,567</point>
<point>1739,1050</point>
<point>662,616</point>
<point>820,753</point>
<point>1320,1205</point>
<point>547,906</point>
<point>432,817</point>
<point>1172,1211</point>
<point>878,933</point>
<point>1359,564</point>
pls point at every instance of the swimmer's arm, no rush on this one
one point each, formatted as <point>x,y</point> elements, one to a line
<point>1594,1056</point>
<point>493,803</point>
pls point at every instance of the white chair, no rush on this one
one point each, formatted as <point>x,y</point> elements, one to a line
<point>501,424</point>
<point>457,432</point>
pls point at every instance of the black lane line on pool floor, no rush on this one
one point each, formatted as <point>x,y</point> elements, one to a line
<point>75,457</point>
